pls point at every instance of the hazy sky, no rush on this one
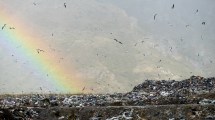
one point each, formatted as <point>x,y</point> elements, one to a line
<point>113,45</point>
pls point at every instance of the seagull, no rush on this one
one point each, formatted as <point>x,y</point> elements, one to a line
<point>173,6</point>
<point>39,50</point>
<point>159,76</point>
<point>12,28</point>
<point>203,23</point>
<point>118,41</point>
<point>197,10</point>
<point>64,5</point>
<point>187,25</point>
<point>83,89</point>
<point>155,16</point>
<point>3,26</point>
<point>170,49</point>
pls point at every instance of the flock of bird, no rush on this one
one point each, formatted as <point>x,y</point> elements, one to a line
<point>38,50</point>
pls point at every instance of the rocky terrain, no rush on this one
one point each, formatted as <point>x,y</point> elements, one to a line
<point>193,98</point>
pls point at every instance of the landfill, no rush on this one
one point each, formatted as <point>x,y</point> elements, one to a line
<point>192,98</point>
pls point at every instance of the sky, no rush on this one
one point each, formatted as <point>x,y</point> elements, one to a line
<point>107,46</point>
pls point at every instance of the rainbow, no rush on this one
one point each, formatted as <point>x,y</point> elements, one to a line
<point>62,77</point>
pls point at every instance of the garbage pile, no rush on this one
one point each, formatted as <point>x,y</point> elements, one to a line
<point>175,92</point>
<point>194,85</point>
<point>195,90</point>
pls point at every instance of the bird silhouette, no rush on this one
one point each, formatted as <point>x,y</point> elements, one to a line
<point>3,26</point>
<point>118,41</point>
<point>12,28</point>
<point>173,6</point>
<point>83,89</point>
<point>201,37</point>
<point>64,5</point>
<point>187,25</point>
<point>155,16</point>
<point>39,50</point>
<point>170,49</point>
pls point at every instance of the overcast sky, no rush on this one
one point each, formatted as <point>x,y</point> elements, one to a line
<point>115,44</point>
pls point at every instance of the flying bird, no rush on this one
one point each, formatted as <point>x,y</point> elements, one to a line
<point>159,76</point>
<point>12,28</point>
<point>170,49</point>
<point>155,16</point>
<point>3,26</point>
<point>83,89</point>
<point>118,41</point>
<point>203,23</point>
<point>39,50</point>
<point>135,44</point>
<point>64,5</point>
<point>173,6</point>
<point>197,10</point>
<point>201,37</point>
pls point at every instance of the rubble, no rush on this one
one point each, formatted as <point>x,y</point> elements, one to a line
<point>193,91</point>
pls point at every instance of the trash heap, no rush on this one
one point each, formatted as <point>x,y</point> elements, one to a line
<point>194,85</point>
<point>195,90</point>
<point>174,92</point>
